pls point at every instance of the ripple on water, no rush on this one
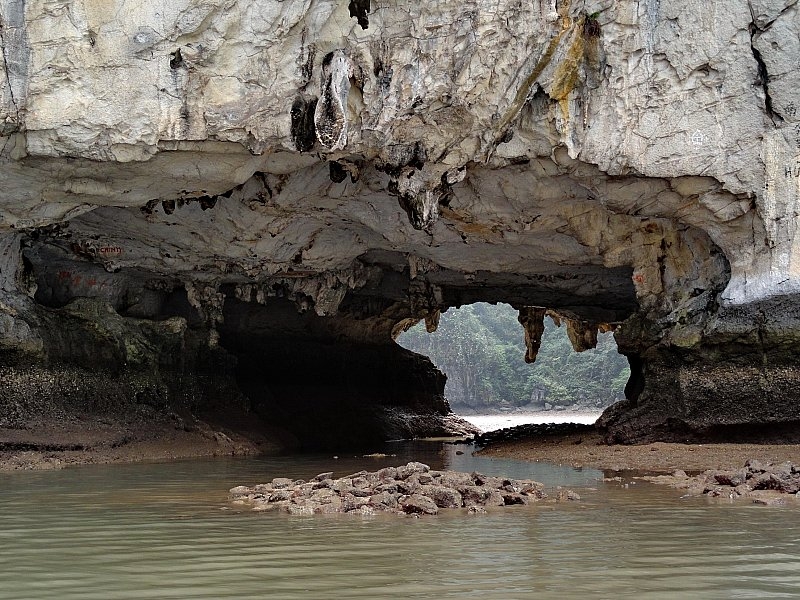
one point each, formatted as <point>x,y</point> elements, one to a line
<point>160,531</point>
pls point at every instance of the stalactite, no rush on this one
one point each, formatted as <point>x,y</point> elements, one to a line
<point>582,334</point>
<point>532,320</point>
<point>432,321</point>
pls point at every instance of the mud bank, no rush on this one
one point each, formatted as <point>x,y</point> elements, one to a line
<point>587,449</point>
<point>73,439</point>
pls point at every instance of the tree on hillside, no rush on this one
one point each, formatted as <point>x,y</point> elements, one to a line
<point>481,349</point>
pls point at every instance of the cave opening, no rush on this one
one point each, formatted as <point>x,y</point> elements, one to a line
<point>313,361</point>
<point>481,349</point>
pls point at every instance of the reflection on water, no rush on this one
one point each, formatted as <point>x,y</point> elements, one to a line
<point>166,531</point>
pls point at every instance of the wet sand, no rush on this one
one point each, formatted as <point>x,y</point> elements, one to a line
<point>59,444</point>
<point>587,450</point>
<point>90,439</point>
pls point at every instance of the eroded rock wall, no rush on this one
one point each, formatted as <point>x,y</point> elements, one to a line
<point>166,172</point>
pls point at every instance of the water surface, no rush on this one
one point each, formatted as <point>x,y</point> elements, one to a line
<point>167,531</point>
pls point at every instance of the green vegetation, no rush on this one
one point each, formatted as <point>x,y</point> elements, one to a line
<point>481,349</point>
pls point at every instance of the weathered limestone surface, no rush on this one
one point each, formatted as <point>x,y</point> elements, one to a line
<point>279,187</point>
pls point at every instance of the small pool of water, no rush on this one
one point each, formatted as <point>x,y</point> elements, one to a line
<point>167,531</point>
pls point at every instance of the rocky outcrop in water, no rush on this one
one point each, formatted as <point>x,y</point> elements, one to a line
<point>249,199</point>
<point>411,489</point>
<point>764,483</point>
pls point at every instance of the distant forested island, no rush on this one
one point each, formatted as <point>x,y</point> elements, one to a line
<point>481,349</point>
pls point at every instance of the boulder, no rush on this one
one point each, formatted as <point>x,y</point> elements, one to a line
<point>281,495</point>
<point>383,501</point>
<point>301,508</point>
<point>281,482</point>
<point>418,504</point>
<point>443,496</point>
<point>732,479</point>
<point>405,471</point>
<point>510,498</point>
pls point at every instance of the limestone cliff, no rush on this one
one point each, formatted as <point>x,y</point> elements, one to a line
<point>262,192</point>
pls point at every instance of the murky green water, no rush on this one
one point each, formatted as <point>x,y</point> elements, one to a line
<point>166,531</point>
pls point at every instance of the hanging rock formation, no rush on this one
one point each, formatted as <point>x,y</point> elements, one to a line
<point>532,321</point>
<point>260,194</point>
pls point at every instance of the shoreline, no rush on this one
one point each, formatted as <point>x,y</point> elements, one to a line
<point>585,449</point>
<point>112,439</point>
<point>93,440</point>
<point>180,447</point>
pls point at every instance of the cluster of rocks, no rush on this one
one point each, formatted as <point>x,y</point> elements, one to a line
<point>531,430</point>
<point>764,483</point>
<point>411,489</point>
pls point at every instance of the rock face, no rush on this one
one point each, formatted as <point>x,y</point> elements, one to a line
<point>258,195</point>
<point>411,489</point>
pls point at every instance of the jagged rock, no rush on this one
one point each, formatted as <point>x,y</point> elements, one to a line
<point>386,474</point>
<point>418,504</point>
<point>455,479</point>
<point>473,495</point>
<point>323,495</point>
<point>443,496</point>
<point>327,509</point>
<point>405,471</point>
<point>301,508</point>
<point>384,500</point>
<point>511,498</point>
<point>280,495</point>
<point>281,482</point>
<point>409,486</point>
<point>731,479</point>
<point>495,498</point>
<point>391,488</point>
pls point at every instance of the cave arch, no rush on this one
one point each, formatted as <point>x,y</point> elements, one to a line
<point>482,351</point>
<point>314,298</point>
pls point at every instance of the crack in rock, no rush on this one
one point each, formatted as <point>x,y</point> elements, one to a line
<point>763,75</point>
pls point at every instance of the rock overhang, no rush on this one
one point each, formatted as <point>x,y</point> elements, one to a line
<point>305,227</point>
